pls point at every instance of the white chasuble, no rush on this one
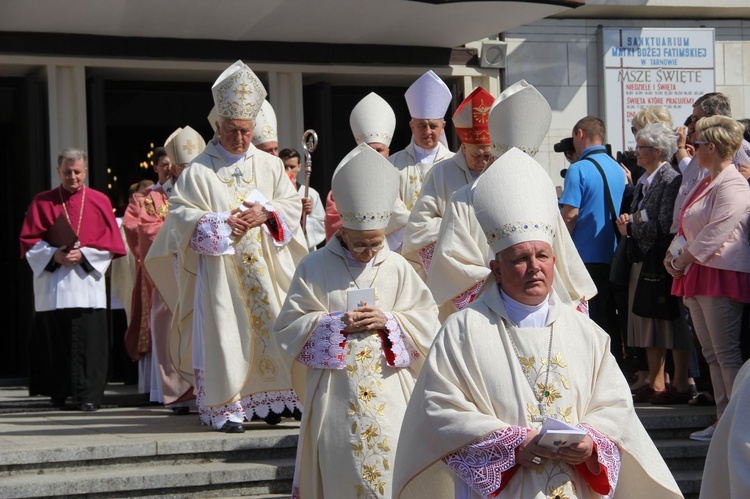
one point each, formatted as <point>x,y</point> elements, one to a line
<point>473,403</point>
<point>423,226</point>
<point>242,285</point>
<point>355,399</point>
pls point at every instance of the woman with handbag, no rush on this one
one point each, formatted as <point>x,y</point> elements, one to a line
<point>710,257</point>
<point>661,327</point>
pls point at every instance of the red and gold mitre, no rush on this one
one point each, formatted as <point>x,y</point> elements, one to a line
<point>471,119</point>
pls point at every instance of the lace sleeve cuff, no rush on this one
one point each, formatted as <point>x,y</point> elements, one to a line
<point>466,297</point>
<point>482,463</point>
<point>325,347</point>
<point>425,254</point>
<point>282,234</point>
<point>212,235</point>
<point>608,456</point>
<point>403,353</point>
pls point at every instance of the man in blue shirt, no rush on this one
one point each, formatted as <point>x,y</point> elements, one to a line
<point>587,214</point>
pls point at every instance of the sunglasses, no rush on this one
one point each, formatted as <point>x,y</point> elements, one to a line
<point>697,143</point>
<point>640,148</point>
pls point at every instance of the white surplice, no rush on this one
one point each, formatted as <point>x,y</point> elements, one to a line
<point>473,403</point>
<point>354,398</point>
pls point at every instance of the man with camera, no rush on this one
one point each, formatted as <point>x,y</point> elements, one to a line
<point>587,214</point>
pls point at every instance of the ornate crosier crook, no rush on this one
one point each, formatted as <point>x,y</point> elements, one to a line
<point>309,143</point>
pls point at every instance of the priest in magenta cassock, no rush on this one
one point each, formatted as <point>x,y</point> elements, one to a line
<point>69,344</point>
<point>512,359</point>
<point>355,364</point>
<point>237,219</point>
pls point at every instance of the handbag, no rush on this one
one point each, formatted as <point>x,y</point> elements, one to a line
<point>653,293</point>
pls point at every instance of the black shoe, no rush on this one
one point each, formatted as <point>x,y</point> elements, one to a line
<point>181,411</point>
<point>297,415</point>
<point>272,418</point>
<point>89,407</point>
<point>232,427</point>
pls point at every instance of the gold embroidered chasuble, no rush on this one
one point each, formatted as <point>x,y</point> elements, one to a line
<point>352,416</point>
<point>473,384</point>
<point>242,293</point>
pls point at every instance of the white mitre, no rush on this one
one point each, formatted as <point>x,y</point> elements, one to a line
<point>265,125</point>
<point>515,202</point>
<point>428,98</point>
<point>184,145</point>
<point>520,117</point>
<point>238,93</point>
<point>373,120</point>
<point>213,117</point>
<point>365,187</point>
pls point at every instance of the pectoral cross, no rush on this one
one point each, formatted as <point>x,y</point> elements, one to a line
<point>237,173</point>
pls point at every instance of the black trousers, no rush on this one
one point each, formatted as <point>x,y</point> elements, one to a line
<point>69,354</point>
<point>602,309</point>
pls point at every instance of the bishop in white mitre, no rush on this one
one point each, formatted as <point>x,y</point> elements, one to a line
<point>499,369</point>
<point>428,99</point>
<point>237,221</point>
<point>471,121</point>
<point>459,265</point>
<point>354,362</point>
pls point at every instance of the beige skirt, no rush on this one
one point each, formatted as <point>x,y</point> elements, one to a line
<point>646,332</point>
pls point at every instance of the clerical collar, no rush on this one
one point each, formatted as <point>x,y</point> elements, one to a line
<point>525,315</point>
<point>228,156</point>
<point>423,155</point>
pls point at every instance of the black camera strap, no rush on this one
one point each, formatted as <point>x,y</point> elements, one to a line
<point>610,203</point>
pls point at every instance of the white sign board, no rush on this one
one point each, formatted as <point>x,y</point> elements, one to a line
<point>653,67</point>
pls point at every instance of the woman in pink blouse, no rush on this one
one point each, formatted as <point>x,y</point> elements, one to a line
<point>712,270</point>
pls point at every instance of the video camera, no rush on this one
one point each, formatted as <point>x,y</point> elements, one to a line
<point>565,146</point>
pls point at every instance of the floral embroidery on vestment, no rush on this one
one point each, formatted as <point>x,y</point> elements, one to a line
<point>462,300</point>
<point>425,255</point>
<point>608,455</point>
<point>482,463</point>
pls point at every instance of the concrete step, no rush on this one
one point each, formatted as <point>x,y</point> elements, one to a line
<point>683,454</point>
<point>674,422</point>
<point>689,482</point>
<point>208,479</point>
<point>255,445</point>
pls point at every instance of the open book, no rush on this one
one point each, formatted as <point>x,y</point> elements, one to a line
<point>557,434</point>
<point>254,197</point>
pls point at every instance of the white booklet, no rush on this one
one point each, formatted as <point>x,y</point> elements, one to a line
<point>557,434</point>
<point>356,298</point>
<point>677,246</point>
<point>254,197</point>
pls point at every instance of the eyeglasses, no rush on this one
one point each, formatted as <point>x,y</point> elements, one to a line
<point>361,249</point>
<point>640,148</point>
<point>697,143</point>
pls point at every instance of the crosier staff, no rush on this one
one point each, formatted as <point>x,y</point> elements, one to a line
<point>309,143</point>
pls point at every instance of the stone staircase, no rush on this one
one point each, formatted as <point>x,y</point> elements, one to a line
<point>258,464</point>
<point>670,428</point>
<point>148,453</point>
